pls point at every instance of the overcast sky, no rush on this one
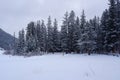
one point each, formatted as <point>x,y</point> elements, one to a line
<point>16,14</point>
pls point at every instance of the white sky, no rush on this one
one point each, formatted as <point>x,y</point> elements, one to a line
<point>16,14</point>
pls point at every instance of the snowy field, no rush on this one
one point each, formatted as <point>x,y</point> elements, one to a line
<point>59,67</point>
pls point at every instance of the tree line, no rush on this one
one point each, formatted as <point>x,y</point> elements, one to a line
<point>77,35</point>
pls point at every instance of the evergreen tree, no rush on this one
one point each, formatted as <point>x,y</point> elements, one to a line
<point>49,36</point>
<point>31,38</point>
<point>71,32</point>
<point>82,32</point>
<point>15,45</point>
<point>98,40</point>
<point>21,43</point>
<point>111,36</point>
<point>77,24</point>
<point>55,37</point>
<point>43,37</point>
<point>76,35</point>
<point>104,26</point>
<point>94,41</point>
<point>82,22</point>
<point>64,34</point>
<point>39,35</point>
<point>118,23</point>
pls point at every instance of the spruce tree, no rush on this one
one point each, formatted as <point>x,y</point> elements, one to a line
<point>64,34</point>
<point>118,23</point>
<point>82,32</point>
<point>111,36</point>
<point>38,36</point>
<point>20,50</point>
<point>55,36</point>
<point>49,35</point>
<point>14,45</point>
<point>43,37</point>
<point>76,35</point>
<point>71,32</point>
<point>23,46</point>
<point>104,26</point>
<point>31,38</point>
<point>94,41</point>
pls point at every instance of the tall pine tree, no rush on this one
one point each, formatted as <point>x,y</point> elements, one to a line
<point>64,34</point>
<point>31,38</point>
<point>71,32</point>
<point>49,36</point>
<point>55,36</point>
<point>111,36</point>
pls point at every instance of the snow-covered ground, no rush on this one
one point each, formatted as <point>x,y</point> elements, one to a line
<point>59,67</point>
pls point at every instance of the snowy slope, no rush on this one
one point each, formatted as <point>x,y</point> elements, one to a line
<point>58,67</point>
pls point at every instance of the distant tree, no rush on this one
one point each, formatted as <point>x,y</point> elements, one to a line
<point>23,44</point>
<point>14,45</point>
